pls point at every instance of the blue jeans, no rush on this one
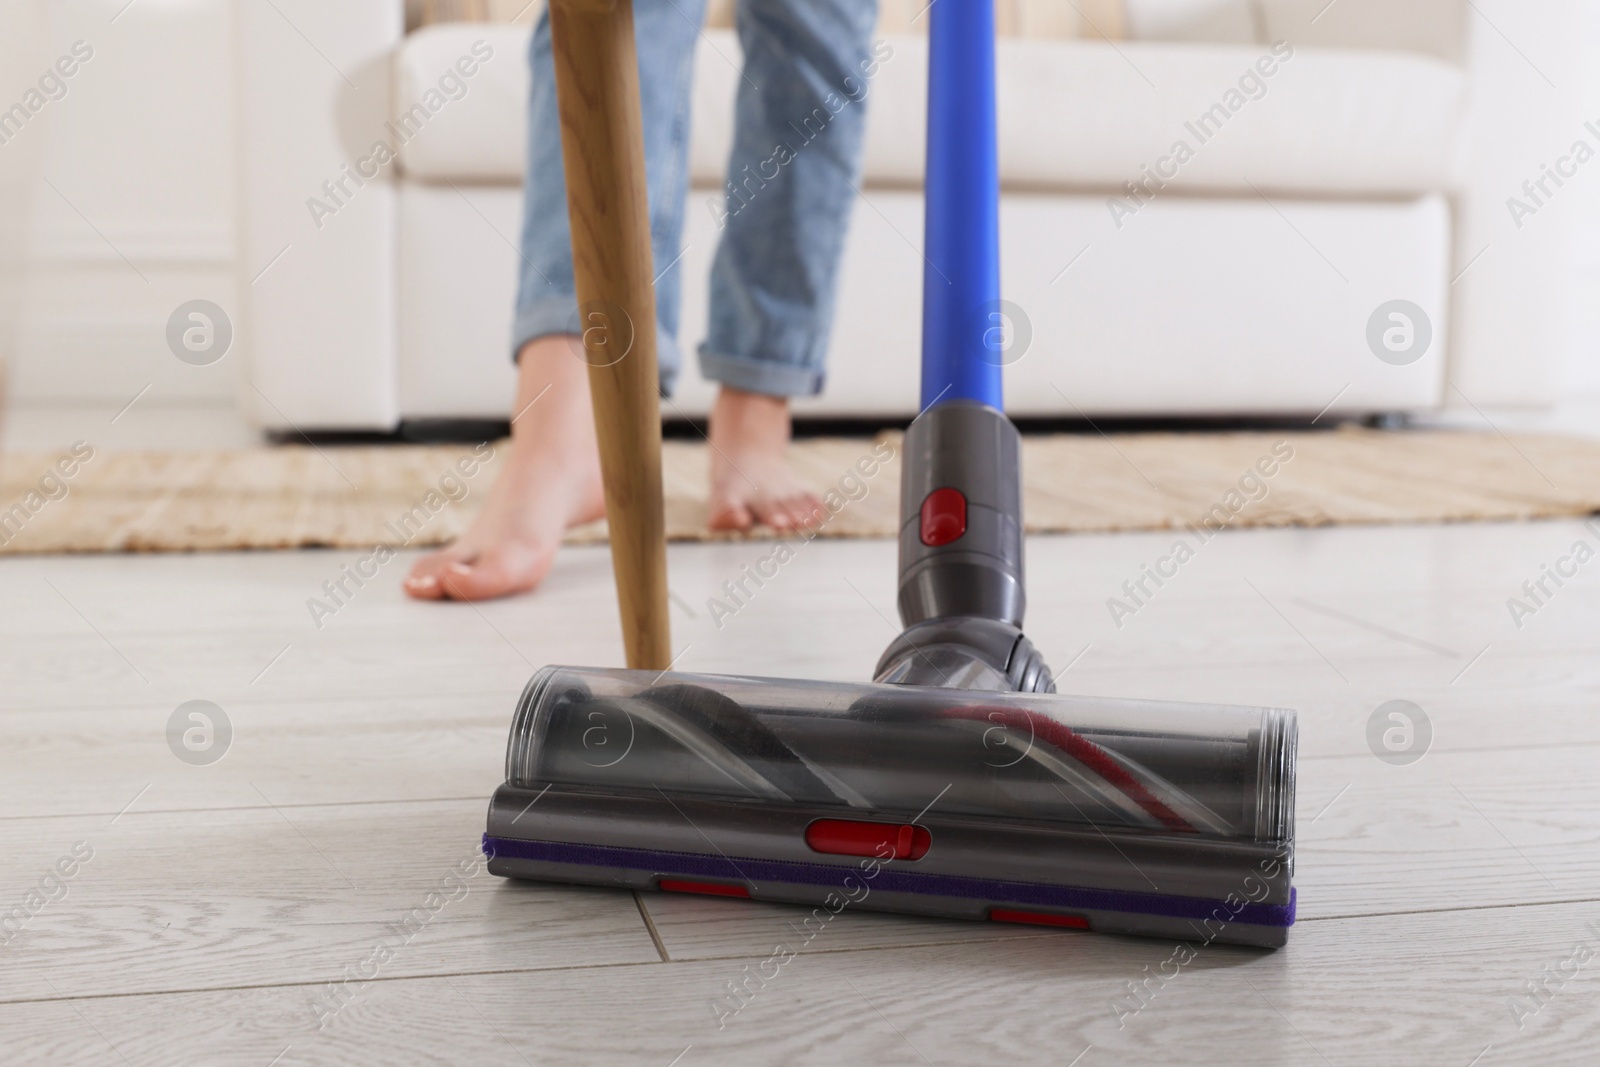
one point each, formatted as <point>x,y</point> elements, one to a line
<point>783,212</point>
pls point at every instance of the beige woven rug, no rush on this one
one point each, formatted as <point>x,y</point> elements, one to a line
<point>293,497</point>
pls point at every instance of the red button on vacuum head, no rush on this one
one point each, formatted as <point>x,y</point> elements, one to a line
<point>848,837</point>
<point>1038,918</point>
<point>944,517</point>
<point>710,889</point>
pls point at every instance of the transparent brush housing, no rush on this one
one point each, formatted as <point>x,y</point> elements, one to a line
<point>1203,771</point>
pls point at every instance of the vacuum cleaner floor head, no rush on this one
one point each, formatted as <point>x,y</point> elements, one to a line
<point>1119,816</point>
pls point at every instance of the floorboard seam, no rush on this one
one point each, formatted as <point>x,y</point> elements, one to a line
<point>650,924</point>
<point>661,950</point>
<point>513,970</point>
<point>1445,911</point>
<point>260,807</point>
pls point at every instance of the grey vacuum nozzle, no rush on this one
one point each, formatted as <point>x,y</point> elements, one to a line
<point>1123,816</point>
<point>961,588</point>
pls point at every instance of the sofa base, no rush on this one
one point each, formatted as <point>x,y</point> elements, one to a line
<point>1194,306</point>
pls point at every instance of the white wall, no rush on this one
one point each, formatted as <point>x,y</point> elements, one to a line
<point>1583,356</point>
<point>21,45</point>
<point>135,214</point>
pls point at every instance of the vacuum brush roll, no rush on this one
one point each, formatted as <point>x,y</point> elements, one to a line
<point>1144,817</point>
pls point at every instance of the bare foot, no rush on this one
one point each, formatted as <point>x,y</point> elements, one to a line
<point>750,477</point>
<point>551,480</point>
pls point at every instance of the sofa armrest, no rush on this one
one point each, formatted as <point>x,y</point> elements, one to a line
<point>1512,312</point>
<point>318,269</point>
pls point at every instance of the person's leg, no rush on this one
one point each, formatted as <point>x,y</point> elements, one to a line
<point>551,478</point>
<point>792,176</point>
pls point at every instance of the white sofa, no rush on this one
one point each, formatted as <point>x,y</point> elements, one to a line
<point>1372,164</point>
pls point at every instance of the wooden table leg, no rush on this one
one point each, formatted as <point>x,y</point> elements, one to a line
<point>602,139</point>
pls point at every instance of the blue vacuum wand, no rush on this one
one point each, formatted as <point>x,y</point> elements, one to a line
<point>958,784</point>
<point>961,273</point>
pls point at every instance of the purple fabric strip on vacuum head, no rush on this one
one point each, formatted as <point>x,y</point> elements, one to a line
<point>941,885</point>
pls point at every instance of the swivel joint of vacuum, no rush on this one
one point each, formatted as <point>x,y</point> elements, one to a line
<point>961,582</point>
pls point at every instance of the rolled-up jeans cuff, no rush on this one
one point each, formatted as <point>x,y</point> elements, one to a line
<point>559,315</point>
<point>760,375</point>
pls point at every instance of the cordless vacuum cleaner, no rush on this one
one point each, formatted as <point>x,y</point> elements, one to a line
<point>957,784</point>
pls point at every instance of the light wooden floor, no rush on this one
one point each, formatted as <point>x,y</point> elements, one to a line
<point>221,900</point>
